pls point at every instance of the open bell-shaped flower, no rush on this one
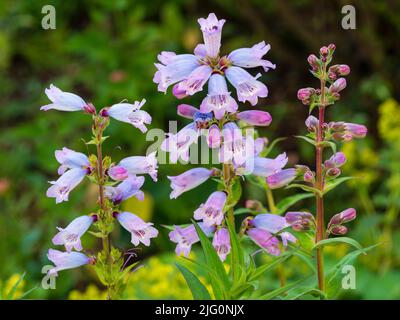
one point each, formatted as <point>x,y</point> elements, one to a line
<point>248,87</point>
<point>66,101</point>
<point>188,180</point>
<point>218,100</point>
<point>212,30</point>
<point>129,113</point>
<point>70,159</point>
<point>252,57</point>
<point>211,212</point>
<point>67,260</point>
<point>185,237</point>
<point>140,231</point>
<point>222,243</point>
<point>61,188</point>
<point>130,187</point>
<point>70,236</point>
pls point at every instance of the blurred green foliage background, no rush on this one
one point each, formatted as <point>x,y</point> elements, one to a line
<point>104,51</point>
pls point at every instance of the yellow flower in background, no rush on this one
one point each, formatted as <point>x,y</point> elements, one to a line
<point>389,121</point>
<point>9,286</point>
<point>91,293</point>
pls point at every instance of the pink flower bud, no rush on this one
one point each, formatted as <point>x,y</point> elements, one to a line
<point>339,230</point>
<point>300,221</point>
<point>324,51</point>
<point>305,93</point>
<point>312,123</point>
<point>309,176</point>
<point>313,61</point>
<point>343,70</point>
<point>343,217</point>
<point>332,47</point>
<point>338,85</point>
<point>333,172</point>
<point>186,111</point>
<point>255,117</point>
<point>356,130</point>
<point>118,173</point>
<point>337,160</point>
<point>178,93</point>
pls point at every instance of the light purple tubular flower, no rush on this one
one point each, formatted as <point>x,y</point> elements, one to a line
<point>141,165</point>
<point>187,111</point>
<point>355,130</point>
<point>281,178</point>
<point>273,224</point>
<point>218,100</point>
<point>212,212</point>
<point>214,136</point>
<point>222,243</point>
<point>265,167</point>
<point>178,144</point>
<point>338,85</point>
<point>265,240</point>
<point>61,188</point>
<point>255,117</point>
<point>343,217</point>
<point>188,180</point>
<point>212,29</point>
<point>70,237</point>
<point>312,123</point>
<point>66,260</point>
<point>130,113</point>
<point>128,188</point>
<point>336,161</point>
<point>63,101</point>
<point>252,57</point>
<point>186,237</point>
<point>248,87</point>
<point>173,68</point>
<point>140,231</point>
<point>304,94</point>
<point>70,159</point>
<point>117,173</point>
<point>196,80</point>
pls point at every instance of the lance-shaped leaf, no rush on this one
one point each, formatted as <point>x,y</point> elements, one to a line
<point>330,185</point>
<point>286,203</point>
<point>198,290</point>
<point>333,241</point>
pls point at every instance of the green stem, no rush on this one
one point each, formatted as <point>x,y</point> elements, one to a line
<point>270,200</point>
<point>103,208</point>
<point>320,225</point>
<point>226,172</point>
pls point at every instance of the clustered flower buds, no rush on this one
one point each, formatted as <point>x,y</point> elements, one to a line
<point>335,224</point>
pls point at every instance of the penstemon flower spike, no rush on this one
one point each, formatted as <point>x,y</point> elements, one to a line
<point>75,166</point>
<point>241,153</point>
<point>327,171</point>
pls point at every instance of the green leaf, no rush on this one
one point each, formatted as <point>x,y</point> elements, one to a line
<point>330,185</point>
<point>242,211</point>
<point>307,139</point>
<point>335,276</point>
<point>267,151</point>
<point>281,290</point>
<point>286,203</point>
<point>212,258</point>
<point>332,241</point>
<point>198,290</point>
<point>330,144</point>
<point>234,195</point>
<point>237,257</point>
<point>305,188</point>
<point>268,266</point>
